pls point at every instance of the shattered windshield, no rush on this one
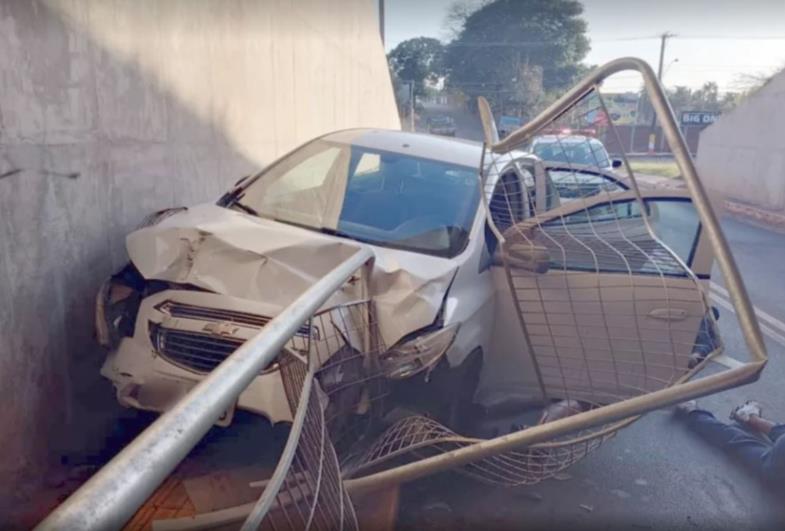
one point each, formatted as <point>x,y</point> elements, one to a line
<point>378,197</point>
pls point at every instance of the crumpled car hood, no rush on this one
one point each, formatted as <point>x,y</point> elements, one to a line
<point>235,254</point>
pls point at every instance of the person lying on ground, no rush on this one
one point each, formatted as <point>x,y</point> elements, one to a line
<point>756,441</point>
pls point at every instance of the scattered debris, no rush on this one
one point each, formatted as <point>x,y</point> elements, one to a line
<point>620,493</point>
<point>641,482</point>
<point>587,508</point>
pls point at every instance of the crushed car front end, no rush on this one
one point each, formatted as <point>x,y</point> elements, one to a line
<point>175,337</point>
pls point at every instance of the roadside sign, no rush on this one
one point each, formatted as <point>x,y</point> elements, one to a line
<point>699,117</point>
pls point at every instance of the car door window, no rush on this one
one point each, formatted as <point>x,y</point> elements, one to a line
<point>612,238</point>
<point>677,224</point>
<point>508,204</point>
<point>576,184</point>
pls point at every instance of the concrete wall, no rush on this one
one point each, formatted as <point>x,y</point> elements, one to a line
<point>110,110</point>
<point>742,155</point>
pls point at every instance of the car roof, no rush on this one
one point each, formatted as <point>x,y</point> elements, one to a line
<point>452,150</point>
<point>567,139</point>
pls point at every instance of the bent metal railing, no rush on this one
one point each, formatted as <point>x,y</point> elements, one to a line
<point>112,496</point>
<point>485,458</point>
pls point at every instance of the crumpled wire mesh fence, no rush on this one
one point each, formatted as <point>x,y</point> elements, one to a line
<point>418,437</point>
<point>333,385</point>
<point>305,491</point>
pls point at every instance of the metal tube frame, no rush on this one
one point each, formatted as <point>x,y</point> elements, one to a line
<point>738,375</point>
<point>112,496</point>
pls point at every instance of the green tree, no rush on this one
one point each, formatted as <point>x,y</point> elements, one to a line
<point>707,98</point>
<point>515,52</point>
<point>420,60</point>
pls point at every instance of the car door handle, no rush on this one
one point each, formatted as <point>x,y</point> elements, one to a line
<point>668,314</point>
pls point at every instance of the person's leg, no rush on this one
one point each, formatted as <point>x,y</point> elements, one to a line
<point>776,432</point>
<point>774,459</point>
<point>754,452</point>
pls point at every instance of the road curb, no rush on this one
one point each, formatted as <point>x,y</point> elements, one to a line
<point>756,215</point>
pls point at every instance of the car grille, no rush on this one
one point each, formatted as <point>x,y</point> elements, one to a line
<point>200,313</point>
<point>192,350</point>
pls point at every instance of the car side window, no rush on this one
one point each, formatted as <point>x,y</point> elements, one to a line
<point>622,210</point>
<point>677,224</point>
<point>508,202</point>
<point>574,184</point>
<point>600,156</point>
<point>612,238</point>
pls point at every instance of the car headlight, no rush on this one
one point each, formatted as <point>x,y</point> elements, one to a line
<point>418,354</point>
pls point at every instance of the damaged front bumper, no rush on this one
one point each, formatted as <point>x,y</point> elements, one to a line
<point>178,337</point>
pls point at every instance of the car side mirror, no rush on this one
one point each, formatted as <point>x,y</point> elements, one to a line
<point>616,163</point>
<point>528,257</point>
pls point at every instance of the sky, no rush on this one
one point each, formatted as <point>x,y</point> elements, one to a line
<point>716,40</point>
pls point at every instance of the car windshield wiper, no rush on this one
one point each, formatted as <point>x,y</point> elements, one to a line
<point>245,208</point>
<point>340,234</point>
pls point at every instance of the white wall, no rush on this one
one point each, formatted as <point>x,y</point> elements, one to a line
<point>741,157</point>
<point>150,104</point>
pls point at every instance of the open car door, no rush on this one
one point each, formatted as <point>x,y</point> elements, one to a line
<point>605,291</point>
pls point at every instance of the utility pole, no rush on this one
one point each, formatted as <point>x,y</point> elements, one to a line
<point>652,134</point>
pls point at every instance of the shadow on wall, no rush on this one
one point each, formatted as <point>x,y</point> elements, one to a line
<point>89,145</point>
<point>111,110</point>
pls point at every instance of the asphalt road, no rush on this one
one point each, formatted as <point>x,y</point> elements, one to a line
<point>656,473</point>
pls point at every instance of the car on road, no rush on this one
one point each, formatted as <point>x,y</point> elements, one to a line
<point>508,124</point>
<point>573,148</point>
<point>204,279</point>
<point>441,125</point>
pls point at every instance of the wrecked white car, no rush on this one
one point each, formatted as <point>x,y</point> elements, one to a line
<point>202,280</point>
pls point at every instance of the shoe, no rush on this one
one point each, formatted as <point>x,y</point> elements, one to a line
<point>743,412</point>
<point>685,408</point>
<point>694,359</point>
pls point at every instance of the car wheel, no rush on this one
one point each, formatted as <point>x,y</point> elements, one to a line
<point>453,393</point>
<point>447,396</point>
